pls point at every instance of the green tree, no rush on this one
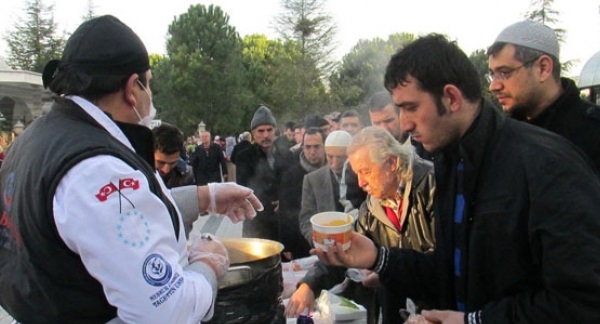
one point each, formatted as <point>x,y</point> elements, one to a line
<point>205,74</point>
<point>272,70</point>
<point>306,23</point>
<point>542,12</point>
<point>480,59</point>
<point>361,72</point>
<point>297,96</point>
<point>261,59</point>
<point>163,95</point>
<point>33,41</point>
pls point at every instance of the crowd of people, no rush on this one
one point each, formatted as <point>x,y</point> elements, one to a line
<point>477,214</point>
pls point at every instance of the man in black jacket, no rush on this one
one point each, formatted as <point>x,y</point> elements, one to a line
<point>516,206</point>
<point>260,167</point>
<point>208,161</point>
<point>525,77</point>
<point>311,158</point>
<point>243,143</point>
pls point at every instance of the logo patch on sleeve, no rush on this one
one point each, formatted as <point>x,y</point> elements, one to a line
<point>133,229</point>
<point>110,188</point>
<point>106,191</point>
<point>156,270</point>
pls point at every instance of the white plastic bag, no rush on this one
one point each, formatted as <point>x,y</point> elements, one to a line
<point>333,308</point>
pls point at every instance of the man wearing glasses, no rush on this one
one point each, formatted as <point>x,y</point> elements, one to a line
<point>525,77</point>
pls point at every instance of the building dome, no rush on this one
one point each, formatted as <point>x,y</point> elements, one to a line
<point>590,74</point>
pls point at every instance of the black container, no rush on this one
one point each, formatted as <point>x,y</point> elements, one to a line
<point>251,291</point>
<point>304,319</point>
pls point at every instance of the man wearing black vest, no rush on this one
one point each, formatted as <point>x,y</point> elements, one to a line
<point>89,233</point>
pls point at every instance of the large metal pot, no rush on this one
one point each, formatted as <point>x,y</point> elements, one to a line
<point>251,290</point>
<point>249,257</point>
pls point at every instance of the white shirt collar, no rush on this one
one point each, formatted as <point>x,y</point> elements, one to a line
<point>103,119</point>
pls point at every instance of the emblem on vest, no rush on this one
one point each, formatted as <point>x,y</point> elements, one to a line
<point>156,270</point>
<point>133,229</point>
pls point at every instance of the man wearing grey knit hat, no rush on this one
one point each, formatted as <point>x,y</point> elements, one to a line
<point>260,167</point>
<point>525,78</point>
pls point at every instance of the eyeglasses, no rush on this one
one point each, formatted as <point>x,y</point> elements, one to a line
<point>507,72</point>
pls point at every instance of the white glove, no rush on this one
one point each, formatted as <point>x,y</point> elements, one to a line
<point>208,249</point>
<point>233,200</point>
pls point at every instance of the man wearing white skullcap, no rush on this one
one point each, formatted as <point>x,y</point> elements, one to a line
<point>525,77</point>
<point>323,188</point>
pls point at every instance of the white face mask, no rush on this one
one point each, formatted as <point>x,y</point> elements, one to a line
<point>146,121</point>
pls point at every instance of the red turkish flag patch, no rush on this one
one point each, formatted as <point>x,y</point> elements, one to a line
<point>129,183</point>
<point>106,191</point>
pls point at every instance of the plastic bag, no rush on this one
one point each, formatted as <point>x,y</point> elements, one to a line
<point>334,308</point>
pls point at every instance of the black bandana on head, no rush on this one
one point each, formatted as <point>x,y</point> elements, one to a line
<point>101,46</point>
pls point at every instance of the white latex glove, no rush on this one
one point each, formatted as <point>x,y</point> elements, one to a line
<point>233,200</point>
<point>208,249</point>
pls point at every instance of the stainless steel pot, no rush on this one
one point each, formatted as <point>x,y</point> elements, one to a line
<point>249,258</point>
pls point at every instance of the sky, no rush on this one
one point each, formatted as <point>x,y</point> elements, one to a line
<point>474,24</point>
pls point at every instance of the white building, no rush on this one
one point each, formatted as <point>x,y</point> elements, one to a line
<point>22,96</point>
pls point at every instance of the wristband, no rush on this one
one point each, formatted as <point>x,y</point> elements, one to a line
<point>212,207</point>
<point>473,318</point>
<point>381,260</point>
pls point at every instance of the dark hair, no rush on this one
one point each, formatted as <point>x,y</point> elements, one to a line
<point>525,54</point>
<point>434,62</point>
<point>168,139</point>
<point>350,113</point>
<point>381,100</point>
<point>72,82</point>
<point>312,131</point>
<point>315,121</point>
<point>290,125</point>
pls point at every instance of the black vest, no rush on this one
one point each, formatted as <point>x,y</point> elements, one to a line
<point>41,279</point>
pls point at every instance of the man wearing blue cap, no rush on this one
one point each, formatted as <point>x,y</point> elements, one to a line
<point>89,233</point>
<point>525,77</point>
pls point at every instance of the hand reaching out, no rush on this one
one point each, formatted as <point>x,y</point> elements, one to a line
<point>233,200</point>
<point>362,253</point>
<point>301,299</point>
